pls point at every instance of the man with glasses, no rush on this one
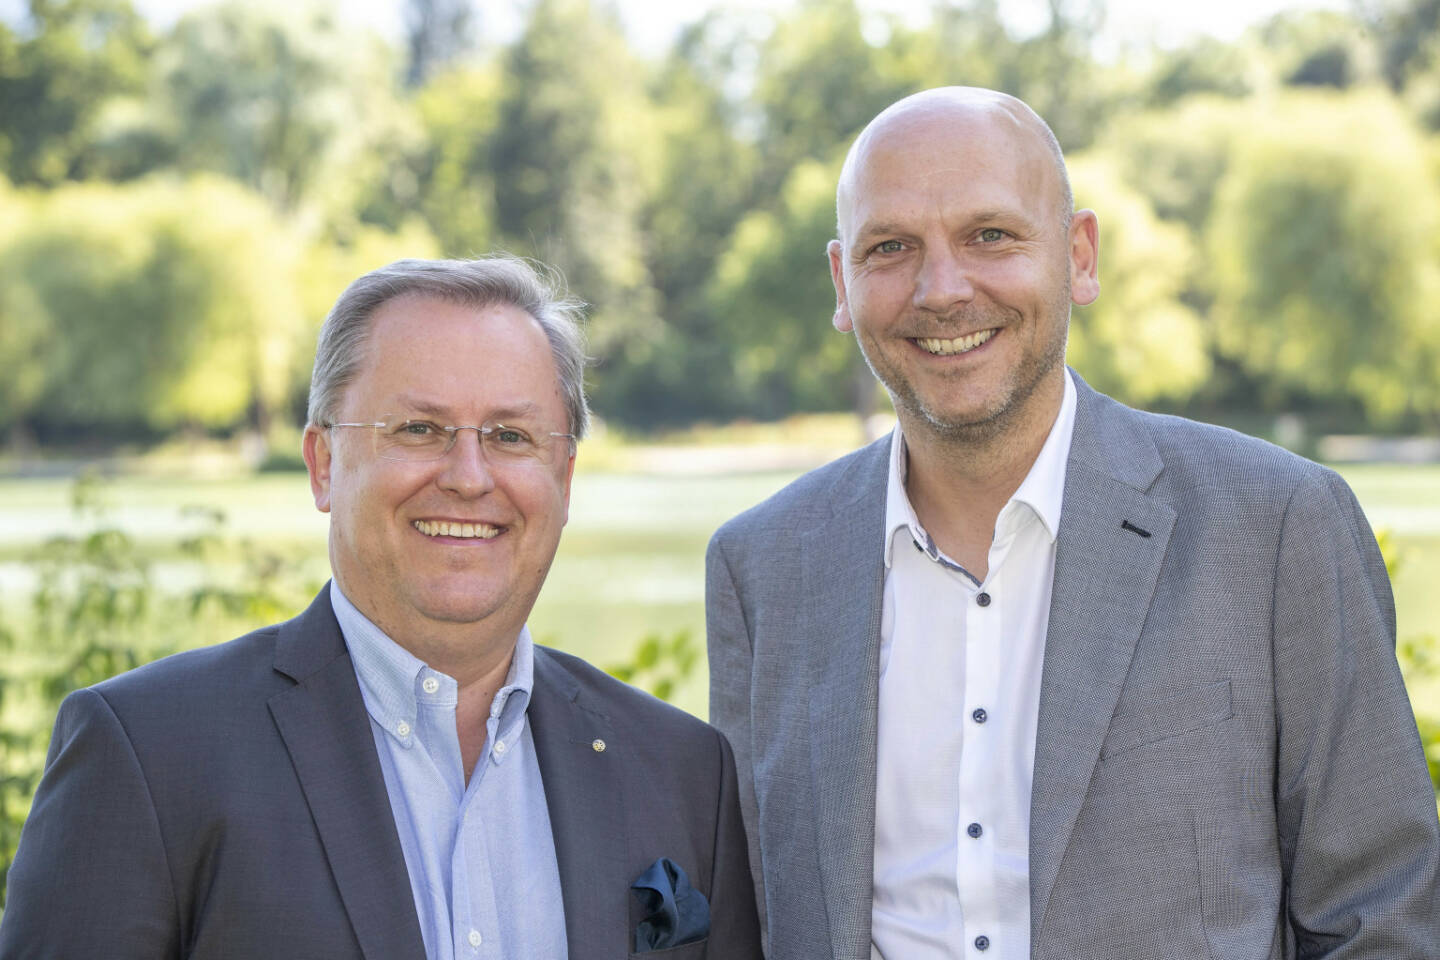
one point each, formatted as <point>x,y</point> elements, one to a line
<point>399,772</point>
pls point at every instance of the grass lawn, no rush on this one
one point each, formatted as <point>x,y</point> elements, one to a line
<point>632,559</point>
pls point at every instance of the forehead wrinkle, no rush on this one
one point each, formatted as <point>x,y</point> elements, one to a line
<point>430,408</point>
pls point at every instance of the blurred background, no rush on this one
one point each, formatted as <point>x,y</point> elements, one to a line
<point>185,188</point>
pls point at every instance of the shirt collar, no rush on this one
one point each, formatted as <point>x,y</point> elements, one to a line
<point>1042,490</point>
<point>394,681</point>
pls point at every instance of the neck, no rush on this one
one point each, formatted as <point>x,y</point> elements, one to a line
<point>479,666</point>
<point>959,482</point>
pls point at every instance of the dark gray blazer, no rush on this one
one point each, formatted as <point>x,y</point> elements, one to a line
<point>1226,764</point>
<point>228,802</point>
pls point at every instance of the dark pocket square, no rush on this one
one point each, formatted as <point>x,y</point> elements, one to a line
<point>677,913</point>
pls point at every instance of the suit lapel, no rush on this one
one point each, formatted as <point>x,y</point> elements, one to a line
<point>587,816</point>
<point>325,727</point>
<point>1105,575</point>
<point>843,578</point>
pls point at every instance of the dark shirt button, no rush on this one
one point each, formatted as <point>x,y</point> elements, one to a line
<point>974,830</point>
<point>982,942</point>
<point>979,715</point>
<point>983,599</point>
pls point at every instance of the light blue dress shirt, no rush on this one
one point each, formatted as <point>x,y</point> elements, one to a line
<point>481,856</point>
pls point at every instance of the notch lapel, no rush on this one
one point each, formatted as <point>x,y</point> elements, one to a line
<point>842,575</point>
<point>1105,576</point>
<point>327,732</point>
<point>584,796</point>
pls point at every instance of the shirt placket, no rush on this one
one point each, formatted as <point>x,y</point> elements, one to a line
<point>979,762</point>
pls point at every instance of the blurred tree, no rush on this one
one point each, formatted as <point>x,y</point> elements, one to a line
<point>281,98</point>
<point>459,111</point>
<point>56,77</point>
<point>818,82</point>
<point>1324,249</point>
<point>1203,65</point>
<point>149,317</point>
<point>1318,48</point>
<point>773,289</point>
<point>1176,157</point>
<point>1139,342</point>
<point>1407,33</point>
<point>706,184</point>
<point>575,158</point>
<point>437,32</point>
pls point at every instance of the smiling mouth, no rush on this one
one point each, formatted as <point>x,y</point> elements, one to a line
<point>465,531</point>
<point>946,348</point>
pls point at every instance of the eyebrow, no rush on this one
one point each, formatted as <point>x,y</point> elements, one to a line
<point>993,215</point>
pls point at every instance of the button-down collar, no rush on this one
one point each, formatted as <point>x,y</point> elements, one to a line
<point>1042,491</point>
<point>394,682</point>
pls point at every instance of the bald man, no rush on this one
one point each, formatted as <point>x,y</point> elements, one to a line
<point>1038,675</point>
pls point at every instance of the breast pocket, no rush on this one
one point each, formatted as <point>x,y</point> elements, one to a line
<point>1165,719</point>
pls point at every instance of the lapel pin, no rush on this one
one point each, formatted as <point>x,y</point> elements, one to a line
<point>597,745</point>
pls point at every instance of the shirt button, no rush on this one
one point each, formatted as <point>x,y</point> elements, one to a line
<point>430,685</point>
<point>983,599</point>
<point>402,728</point>
<point>982,942</point>
<point>499,746</point>
<point>974,830</point>
<point>979,715</point>
<point>476,939</point>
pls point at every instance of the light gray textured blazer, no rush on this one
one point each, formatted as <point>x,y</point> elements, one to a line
<point>1226,766</point>
<point>228,802</point>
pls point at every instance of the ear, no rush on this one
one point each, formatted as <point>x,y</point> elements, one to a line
<point>315,448</point>
<point>1084,257</point>
<point>842,319</point>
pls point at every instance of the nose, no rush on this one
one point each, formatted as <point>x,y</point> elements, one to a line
<point>943,281</point>
<point>466,471</point>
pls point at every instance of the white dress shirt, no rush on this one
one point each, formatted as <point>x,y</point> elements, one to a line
<point>959,695</point>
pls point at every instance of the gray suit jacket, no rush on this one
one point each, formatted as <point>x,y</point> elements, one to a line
<point>1226,766</point>
<point>228,802</point>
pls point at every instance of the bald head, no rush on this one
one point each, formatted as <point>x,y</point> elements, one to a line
<point>977,113</point>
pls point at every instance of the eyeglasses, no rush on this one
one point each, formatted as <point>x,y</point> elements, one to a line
<point>402,438</point>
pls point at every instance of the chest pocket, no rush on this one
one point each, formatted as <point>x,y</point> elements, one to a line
<point>1160,720</point>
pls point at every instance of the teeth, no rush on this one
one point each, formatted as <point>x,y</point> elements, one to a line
<point>945,348</point>
<point>442,528</point>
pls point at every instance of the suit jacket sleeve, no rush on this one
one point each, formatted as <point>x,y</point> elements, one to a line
<point>734,928</point>
<point>1356,813</point>
<point>90,877</point>
<point>728,643</point>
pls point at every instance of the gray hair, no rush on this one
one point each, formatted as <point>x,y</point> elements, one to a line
<point>531,286</point>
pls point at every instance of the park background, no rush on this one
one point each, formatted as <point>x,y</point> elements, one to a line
<point>182,198</point>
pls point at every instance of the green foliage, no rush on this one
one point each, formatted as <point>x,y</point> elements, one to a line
<point>56,82</point>
<point>660,664</point>
<point>1259,247</point>
<point>1140,341</point>
<point>127,310</point>
<point>98,610</point>
<point>1323,243</point>
<point>574,158</point>
<point>279,97</point>
<point>773,287</point>
<point>1419,658</point>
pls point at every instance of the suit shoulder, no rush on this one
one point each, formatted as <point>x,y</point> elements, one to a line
<point>214,673</point>
<point>1200,454</point>
<point>624,705</point>
<point>812,495</point>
